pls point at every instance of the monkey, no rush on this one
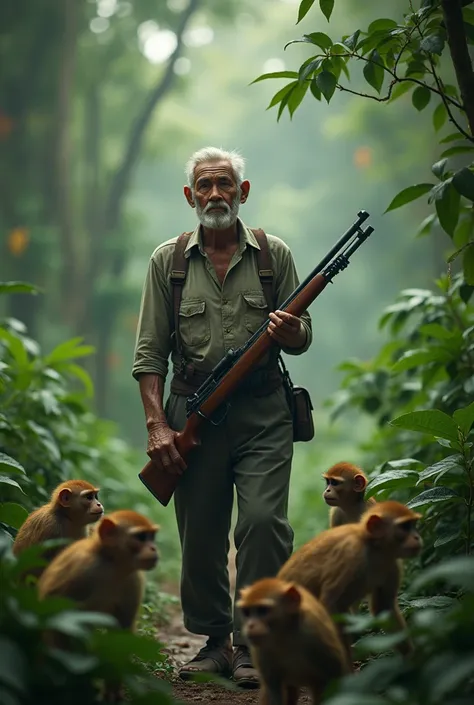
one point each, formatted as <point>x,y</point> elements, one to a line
<point>73,506</point>
<point>293,641</point>
<point>103,572</point>
<point>344,564</point>
<point>344,493</point>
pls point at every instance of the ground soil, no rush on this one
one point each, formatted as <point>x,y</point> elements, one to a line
<point>181,646</point>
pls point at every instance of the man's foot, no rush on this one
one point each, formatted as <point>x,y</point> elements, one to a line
<point>215,657</point>
<point>243,672</point>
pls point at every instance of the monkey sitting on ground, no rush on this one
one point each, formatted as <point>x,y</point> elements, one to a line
<point>293,641</point>
<point>344,564</point>
<point>74,505</point>
<point>103,571</point>
<point>344,493</point>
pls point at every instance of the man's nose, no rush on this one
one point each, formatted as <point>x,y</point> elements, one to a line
<point>215,195</point>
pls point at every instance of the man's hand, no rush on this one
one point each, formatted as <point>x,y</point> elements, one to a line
<point>162,449</point>
<point>286,329</point>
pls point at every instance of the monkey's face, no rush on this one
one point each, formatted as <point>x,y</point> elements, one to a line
<point>141,544</point>
<point>408,540</point>
<point>332,491</point>
<point>92,509</point>
<point>257,622</point>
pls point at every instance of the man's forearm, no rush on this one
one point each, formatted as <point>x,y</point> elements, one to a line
<point>151,391</point>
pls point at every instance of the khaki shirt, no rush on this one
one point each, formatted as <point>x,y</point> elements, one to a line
<point>213,317</point>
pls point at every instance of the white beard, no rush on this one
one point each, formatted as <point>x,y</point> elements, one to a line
<point>219,220</point>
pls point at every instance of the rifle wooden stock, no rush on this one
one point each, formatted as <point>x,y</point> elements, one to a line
<point>162,484</point>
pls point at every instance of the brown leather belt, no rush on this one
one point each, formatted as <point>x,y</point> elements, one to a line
<point>259,382</point>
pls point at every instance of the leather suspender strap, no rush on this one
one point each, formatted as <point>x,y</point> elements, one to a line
<point>178,278</point>
<point>265,271</point>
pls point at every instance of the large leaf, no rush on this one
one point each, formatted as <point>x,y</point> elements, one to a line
<point>409,194</point>
<point>373,71</point>
<point>8,464</point>
<point>452,679</point>
<point>433,496</point>
<point>118,646</point>
<point>13,514</point>
<point>275,74</point>
<point>78,664</point>
<point>416,358</point>
<point>433,44</point>
<point>4,480</point>
<point>327,7</point>
<point>304,8</point>
<point>457,571</point>
<point>437,602</point>
<point>463,182</point>
<point>296,96</point>
<point>280,95</point>
<point>77,624</point>
<point>447,209</point>
<point>465,418</point>
<point>17,288</point>
<point>326,82</point>
<point>68,350</point>
<point>430,421</point>
<point>392,479</point>
<point>451,464</point>
<point>351,41</point>
<point>468,264</point>
<point>421,97</point>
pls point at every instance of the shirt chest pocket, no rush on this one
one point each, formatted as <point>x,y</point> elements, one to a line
<point>255,310</point>
<point>194,326</point>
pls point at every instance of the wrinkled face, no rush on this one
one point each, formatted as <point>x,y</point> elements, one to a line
<point>216,195</point>
<point>408,540</point>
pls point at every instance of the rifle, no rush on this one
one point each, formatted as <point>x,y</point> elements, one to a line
<point>236,364</point>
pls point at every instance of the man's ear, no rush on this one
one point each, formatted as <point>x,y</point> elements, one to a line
<point>188,194</point>
<point>244,190</point>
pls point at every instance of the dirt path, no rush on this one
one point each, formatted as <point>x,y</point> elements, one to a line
<point>181,647</point>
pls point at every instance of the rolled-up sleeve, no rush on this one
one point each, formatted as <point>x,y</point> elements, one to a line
<point>287,281</point>
<point>153,340</point>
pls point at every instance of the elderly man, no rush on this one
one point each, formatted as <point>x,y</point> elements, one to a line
<point>219,305</point>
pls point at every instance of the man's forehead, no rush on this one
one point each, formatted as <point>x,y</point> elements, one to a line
<point>210,169</point>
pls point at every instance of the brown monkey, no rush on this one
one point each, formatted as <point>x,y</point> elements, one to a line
<point>344,493</point>
<point>102,572</point>
<point>344,564</point>
<point>293,641</point>
<point>74,505</point>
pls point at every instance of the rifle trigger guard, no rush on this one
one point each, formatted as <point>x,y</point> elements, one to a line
<point>221,418</point>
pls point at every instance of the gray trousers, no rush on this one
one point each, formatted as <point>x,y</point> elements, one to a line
<point>251,449</point>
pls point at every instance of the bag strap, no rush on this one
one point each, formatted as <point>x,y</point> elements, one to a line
<point>179,270</point>
<point>265,271</point>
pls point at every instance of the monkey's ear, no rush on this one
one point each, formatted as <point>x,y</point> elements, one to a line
<point>64,497</point>
<point>292,596</point>
<point>359,483</point>
<point>107,529</point>
<point>375,525</point>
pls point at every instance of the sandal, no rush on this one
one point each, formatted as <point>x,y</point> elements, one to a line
<point>215,657</point>
<point>243,671</point>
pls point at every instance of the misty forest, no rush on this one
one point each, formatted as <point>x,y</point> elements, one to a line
<point>337,107</point>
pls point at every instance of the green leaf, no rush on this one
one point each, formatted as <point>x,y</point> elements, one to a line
<point>304,8</point>
<point>409,194</point>
<point>392,479</point>
<point>460,149</point>
<point>13,514</point>
<point>463,182</point>
<point>320,39</point>
<point>351,41</point>
<point>68,350</point>
<point>281,94</point>
<point>457,571</point>
<point>431,421</point>
<point>468,265</point>
<point>313,87</point>
<point>8,481</point>
<point>465,418</point>
<point>77,624</point>
<point>453,678</point>
<point>373,71</point>
<point>275,74</point>
<point>327,7</point>
<point>13,666</point>
<point>433,496</point>
<point>78,664</point>
<point>119,646</point>
<point>435,330</point>
<point>296,96</point>
<point>380,25</point>
<point>452,137</point>
<point>416,358</point>
<point>447,208</point>
<point>18,288</point>
<point>8,464</point>
<point>438,168</point>
<point>433,44</point>
<point>326,82</point>
<point>308,68</point>
<point>451,464</point>
<point>421,97</point>
<point>439,117</point>
<point>425,225</point>
<point>436,602</point>
<point>83,376</point>
<point>444,538</point>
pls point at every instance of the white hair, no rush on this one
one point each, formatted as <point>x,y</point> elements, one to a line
<point>215,154</point>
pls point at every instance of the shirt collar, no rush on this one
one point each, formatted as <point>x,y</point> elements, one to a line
<point>246,237</point>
